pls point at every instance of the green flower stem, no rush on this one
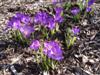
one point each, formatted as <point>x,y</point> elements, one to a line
<point>37,60</point>
<point>69,39</point>
<point>44,63</point>
<point>45,33</point>
<point>85,14</point>
<point>76,18</point>
<point>67,5</point>
<point>73,40</point>
<point>52,32</point>
<point>19,37</point>
<point>80,3</point>
<point>47,63</point>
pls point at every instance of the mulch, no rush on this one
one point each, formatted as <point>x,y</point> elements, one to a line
<point>83,58</point>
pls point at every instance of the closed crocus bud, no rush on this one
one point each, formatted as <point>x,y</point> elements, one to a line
<point>51,22</point>
<point>90,2</point>
<point>75,10</point>
<point>88,9</point>
<point>75,30</point>
<point>58,14</point>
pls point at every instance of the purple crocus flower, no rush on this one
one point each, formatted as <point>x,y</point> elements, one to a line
<point>26,30</point>
<point>35,45</point>
<point>38,16</point>
<point>58,18</point>
<point>51,22</point>
<point>75,10</point>
<point>14,23</point>
<point>58,10</point>
<point>58,15</point>
<point>75,30</point>
<point>88,9</point>
<point>90,2</point>
<point>23,18</point>
<point>41,17</point>
<point>53,50</point>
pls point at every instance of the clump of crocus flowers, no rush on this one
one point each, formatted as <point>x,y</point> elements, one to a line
<point>48,20</point>
<point>75,10</point>
<point>52,49</point>
<point>23,23</point>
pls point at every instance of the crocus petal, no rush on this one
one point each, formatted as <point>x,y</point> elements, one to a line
<point>90,2</point>
<point>26,30</point>
<point>35,45</point>
<point>58,10</point>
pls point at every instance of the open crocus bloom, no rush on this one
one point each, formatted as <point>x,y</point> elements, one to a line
<point>14,23</point>
<point>53,50</point>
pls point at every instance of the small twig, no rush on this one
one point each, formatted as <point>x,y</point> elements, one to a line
<point>14,60</point>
